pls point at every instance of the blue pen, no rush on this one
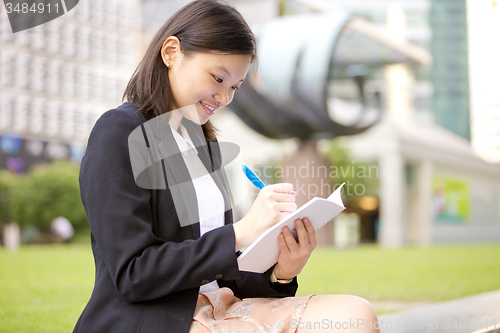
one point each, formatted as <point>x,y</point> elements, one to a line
<point>260,184</point>
<point>252,177</point>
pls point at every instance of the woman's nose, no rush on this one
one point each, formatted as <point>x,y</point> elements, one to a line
<point>223,98</point>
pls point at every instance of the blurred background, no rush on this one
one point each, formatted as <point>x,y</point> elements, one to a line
<point>397,98</point>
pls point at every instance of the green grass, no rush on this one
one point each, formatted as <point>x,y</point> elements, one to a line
<point>45,288</point>
<point>436,273</point>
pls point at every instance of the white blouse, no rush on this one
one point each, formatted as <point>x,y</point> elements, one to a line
<point>208,195</point>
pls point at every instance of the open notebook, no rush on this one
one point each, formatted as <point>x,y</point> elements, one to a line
<point>264,251</point>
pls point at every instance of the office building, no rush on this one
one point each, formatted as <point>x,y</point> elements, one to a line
<point>56,79</point>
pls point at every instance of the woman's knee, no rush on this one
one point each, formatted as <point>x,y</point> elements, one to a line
<point>364,307</point>
<point>350,305</point>
<point>345,313</point>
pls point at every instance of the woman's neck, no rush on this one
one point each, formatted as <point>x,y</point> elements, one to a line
<point>175,120</point>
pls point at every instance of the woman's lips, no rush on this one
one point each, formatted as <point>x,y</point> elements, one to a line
<point>207,110</point>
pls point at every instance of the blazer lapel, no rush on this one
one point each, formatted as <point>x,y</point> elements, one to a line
<point>177,175</point>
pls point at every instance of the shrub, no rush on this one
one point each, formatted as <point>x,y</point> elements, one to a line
<point>7,183</point>
<point>46,192</point>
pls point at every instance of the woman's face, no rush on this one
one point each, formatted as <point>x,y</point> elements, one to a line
<point>203,80</point>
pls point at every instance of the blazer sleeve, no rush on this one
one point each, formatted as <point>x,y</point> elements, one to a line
<point>141,265</point>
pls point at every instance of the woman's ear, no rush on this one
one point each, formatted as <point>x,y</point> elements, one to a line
<point>170,50</point>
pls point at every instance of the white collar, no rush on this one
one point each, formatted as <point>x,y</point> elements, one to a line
<point>184,142</point>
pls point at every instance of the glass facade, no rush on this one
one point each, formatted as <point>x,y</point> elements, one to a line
<point>450,73</point>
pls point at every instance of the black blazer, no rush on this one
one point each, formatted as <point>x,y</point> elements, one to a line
<point>149,268</point>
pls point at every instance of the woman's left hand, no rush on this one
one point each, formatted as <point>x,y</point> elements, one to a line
<point>294,255</point>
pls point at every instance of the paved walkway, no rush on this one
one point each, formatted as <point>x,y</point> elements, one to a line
<point>462,315</point>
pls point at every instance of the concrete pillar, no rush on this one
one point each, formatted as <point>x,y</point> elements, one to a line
<point>424,202</point>
<point>392,199</point>
<point>308,171</point>
<point>399,82</point>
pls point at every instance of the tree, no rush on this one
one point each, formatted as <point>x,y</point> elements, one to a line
<point>361,178</point>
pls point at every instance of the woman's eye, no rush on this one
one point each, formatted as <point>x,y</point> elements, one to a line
<point>218,79</point>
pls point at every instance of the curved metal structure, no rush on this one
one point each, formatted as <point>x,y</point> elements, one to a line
<point>289,98</point>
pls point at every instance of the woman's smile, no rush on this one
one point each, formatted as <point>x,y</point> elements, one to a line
<point>209,109</point>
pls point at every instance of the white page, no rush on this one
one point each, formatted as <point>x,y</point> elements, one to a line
<point>264,251</point>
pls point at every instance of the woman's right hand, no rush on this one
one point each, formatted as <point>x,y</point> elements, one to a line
<point>273,203</point>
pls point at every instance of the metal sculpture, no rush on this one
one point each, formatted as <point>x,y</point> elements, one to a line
<point>289,98</point>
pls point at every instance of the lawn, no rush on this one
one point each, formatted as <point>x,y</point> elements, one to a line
<point>436,273</point>
<point>44,288</point>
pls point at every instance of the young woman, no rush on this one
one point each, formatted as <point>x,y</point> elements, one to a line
<point>155,272</point>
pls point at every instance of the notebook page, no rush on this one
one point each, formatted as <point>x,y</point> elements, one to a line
<point>263,252</point>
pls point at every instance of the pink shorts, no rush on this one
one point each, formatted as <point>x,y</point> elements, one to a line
<point>221,311</point>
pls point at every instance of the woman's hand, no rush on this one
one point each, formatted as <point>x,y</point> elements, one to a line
<point>273,203</point>
<point>294,255</point>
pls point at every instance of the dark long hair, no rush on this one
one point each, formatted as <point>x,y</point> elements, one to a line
<point>209,26</point>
